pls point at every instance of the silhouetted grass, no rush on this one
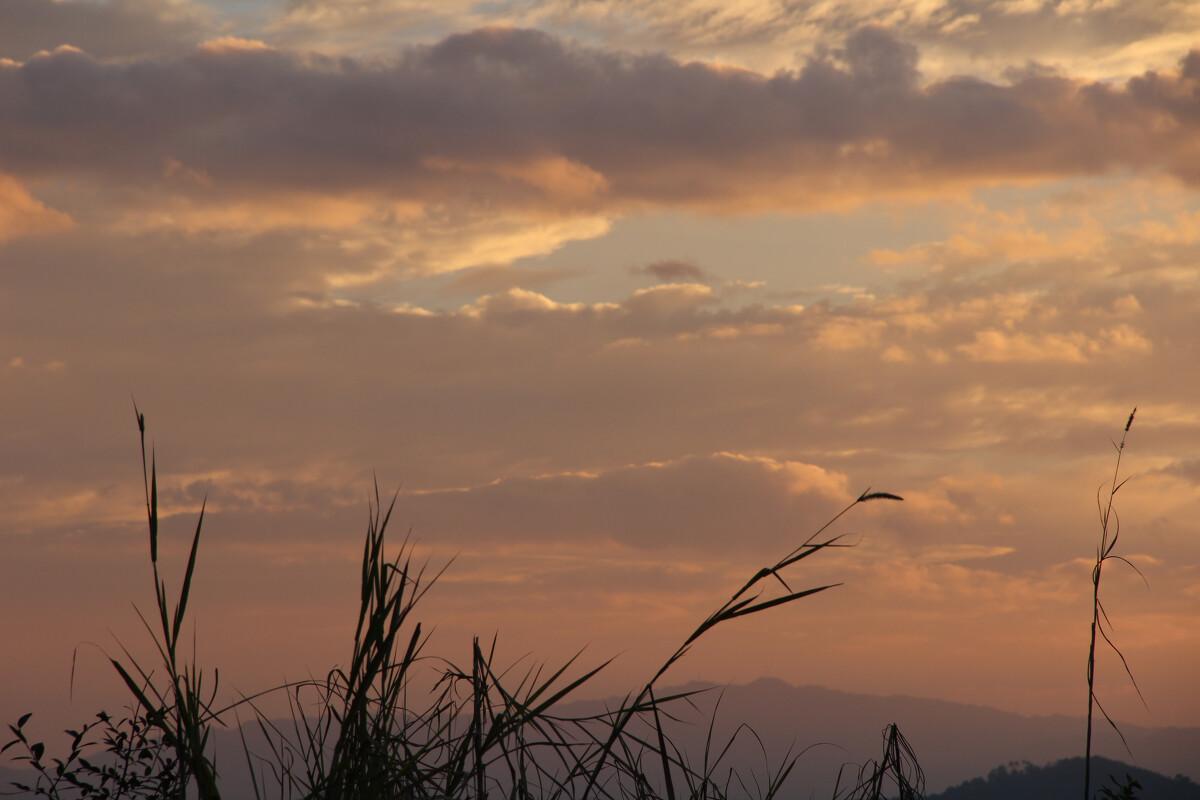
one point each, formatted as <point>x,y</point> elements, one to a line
<point>480,731</point>
<point>1110,532</point>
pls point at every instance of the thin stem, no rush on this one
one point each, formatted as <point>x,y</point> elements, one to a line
<point>1102,553</point>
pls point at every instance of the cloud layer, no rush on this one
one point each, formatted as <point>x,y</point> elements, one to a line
<point>216,137</point>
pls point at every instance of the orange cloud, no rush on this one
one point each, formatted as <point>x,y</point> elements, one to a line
<point>22,214</point>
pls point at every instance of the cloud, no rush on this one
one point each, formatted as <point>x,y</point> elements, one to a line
<point>493,280</point>
<point>22,214</point>
<point>850,333</point>
<point>1111,39</point>
<point>1001,347</point>
<point>672,271</point>
<point>372,26</point>
<point>998,238</point>
<point>669,299</point>
<point>692,503</point>
<point>476,125</point>
<point>106,28</point>
<point>232,44</point>
<point>1188,469</point>
<point>965,552</point>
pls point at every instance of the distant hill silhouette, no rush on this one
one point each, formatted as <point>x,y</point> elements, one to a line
<point>1061,780</point>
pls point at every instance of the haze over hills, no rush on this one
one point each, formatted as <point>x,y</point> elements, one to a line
<point>955,742</point>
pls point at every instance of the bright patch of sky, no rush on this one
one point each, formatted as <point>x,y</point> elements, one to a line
<point>779,258</point>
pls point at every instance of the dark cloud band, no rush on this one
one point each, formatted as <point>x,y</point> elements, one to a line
<point>520,117</point>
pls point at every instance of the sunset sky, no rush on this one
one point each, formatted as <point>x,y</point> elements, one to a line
<point>625,298</point>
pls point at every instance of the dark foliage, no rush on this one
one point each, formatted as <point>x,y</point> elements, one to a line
<point>1061,779</point>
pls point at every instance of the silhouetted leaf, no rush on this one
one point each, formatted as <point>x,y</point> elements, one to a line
<point>879,496</point>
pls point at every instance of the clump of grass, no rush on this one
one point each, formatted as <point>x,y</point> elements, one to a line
<point>480,732</point>
<point>896,770</point>
<point>1110,532</point>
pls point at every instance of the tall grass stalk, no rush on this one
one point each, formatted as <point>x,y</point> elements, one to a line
<point>1110,532</point>
<point>180,710</point>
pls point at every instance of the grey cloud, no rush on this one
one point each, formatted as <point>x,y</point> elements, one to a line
<point>108,28</point>
<point>1188,469</point>
<point>483,117</point>
<point>692,504</point>
<point>672,271</point>
<point>877,59</point>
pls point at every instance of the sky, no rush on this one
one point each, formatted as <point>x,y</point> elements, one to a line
<point>624,299</point>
